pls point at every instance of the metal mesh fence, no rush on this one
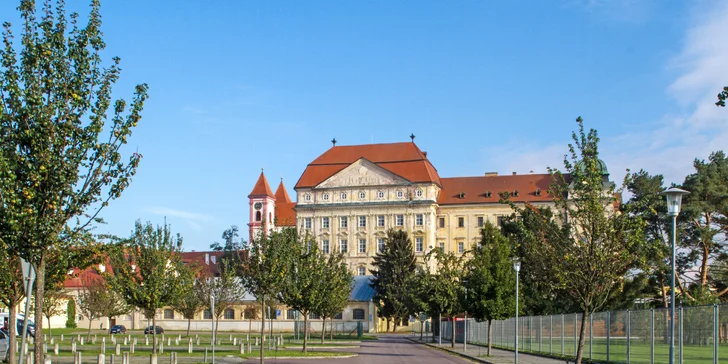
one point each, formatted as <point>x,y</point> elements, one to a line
<point>639,337</point>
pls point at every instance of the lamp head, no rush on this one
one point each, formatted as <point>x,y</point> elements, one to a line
<point>516,264</point>
<point>674,197</point>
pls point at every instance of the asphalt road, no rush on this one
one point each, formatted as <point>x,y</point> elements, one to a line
<point>393,349</point>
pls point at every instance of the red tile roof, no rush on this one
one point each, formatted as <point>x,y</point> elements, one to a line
<point>403,159</point>
<point>285,214</point>
<point>282,194</point>
<point>261,187</point>
<point>470,190</point>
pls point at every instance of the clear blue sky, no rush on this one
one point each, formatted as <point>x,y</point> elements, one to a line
<point>484,86</point>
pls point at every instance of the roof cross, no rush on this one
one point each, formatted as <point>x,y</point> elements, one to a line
<point>412,136</point>
<point>333,141</point>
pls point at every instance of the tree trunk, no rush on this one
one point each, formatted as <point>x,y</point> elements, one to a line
<point>50,332</point>
<point>154,333</point>
<point>40,272</point>
<point>323,328</point>
<point>262,331</point>
<point>490,336</point>
<point>189,323</point>
<point>217,324</point>
<point>12,331</point>
<point>582,330</point>
<point>387,330</point>
<point>88,333</point>
<point>250,326</point>
<point>452,342</point>
<point>305,331</point>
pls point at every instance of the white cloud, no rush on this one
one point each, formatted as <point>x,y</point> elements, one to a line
<point>669,145</point>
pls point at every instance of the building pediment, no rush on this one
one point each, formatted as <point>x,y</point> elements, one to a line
<point>362,173</point>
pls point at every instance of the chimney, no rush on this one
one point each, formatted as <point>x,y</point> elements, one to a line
<point>514,173</point>
<point>491,174</point>
<point>213,259</point>
<point>425,154</point>
<point>207,258</point>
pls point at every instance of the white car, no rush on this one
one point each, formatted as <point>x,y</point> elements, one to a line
<point>4,346</point>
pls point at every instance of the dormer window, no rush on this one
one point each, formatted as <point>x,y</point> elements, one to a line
<point>325,196</point>
<point>362,195</point>
<point>419,193</point>
<point>307,197</point>
<point>538,192</point>
<point>400,194</point>
<point>380,194</point>
<point>343,195</point>
<point>515,193</point>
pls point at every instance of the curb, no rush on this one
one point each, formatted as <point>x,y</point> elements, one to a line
<point>306,357</point>
<point>463,355</point>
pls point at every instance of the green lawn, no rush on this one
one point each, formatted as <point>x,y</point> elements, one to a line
<point>640,352</point>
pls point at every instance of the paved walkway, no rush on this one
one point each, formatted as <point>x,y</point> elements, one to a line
<point>477,353</point>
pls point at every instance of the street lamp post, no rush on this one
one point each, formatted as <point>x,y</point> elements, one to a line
<point>517,268</point>
<point>674,200</point>
<point>465,323</point>
<point>212,312</point>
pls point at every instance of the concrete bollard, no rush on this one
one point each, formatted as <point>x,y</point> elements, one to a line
<point>153,359</point>
<point>179,337</point>
<point>46,360</point>
<point>80,342</point>
<point>205,357</point>
<point>174,358</point>
<point>189,347</point>
<point>125,358</point>
<point>45,337</point>
<point>61,337</point>
<point>118,349</point>
<point>55,349</point>
<point>52,341</point>
<point>113,359</point>
<point>135,341</point>
<point>125,342</point>
<point>231,337</point>
<point>103,339</point>
<point>103,348</point>
<point>169,341</point>
<point>45,348</point>
<point>17,346</point>
<point>235,341</point>
<point>161,346</point>
<point>176,342</point>
<point>249,347</point>
<point>146,340</point>
<point>25,349</point>
<point>247,337</point>
<point>131,347</point>
<point>29,359</point>
<point>78,337</point>
<point>197,341</point>
<point>256,341</point>
<point>101,359</point>
<point>73,347</point>
<point>77,358</point>
<point>242,348</point>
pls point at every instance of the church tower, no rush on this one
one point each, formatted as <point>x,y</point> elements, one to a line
<point>262,208</point>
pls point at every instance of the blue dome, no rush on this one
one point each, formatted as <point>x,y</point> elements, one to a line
<point>602,166</point>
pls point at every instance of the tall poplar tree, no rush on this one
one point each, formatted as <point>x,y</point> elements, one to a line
<point>441,286</point>
<point>722,97</point>
<point>61,163</point>
<point>337,281</point>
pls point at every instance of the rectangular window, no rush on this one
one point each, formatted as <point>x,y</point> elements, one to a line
<point>362,221</point>
<point>442,247</point>
<point>343,222</point>
<point>418,244</point>
<point>325,246</point>
<point>500,221</point>
<point>380,220</point>
<point>307,223</point>
<point>207,315</point>
<point>290,314</point>
<point>325,222</point>
<point>314,316</point>
<point>168,314</point>
<point>344,244</point>
<point>362,271</point>
<point>362,245</point>
<point>461,222</point>
<point>419,219</point>
<point>481,221</point>
<point>400,220</point>
<point>380,245</point>
<point>358,314</point>
<point>339,316</point>
<point>442,222</point>
<point>229,314</point>
<point>461,247</point>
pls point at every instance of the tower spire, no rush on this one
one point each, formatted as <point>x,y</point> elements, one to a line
<point>412,136</point>
<point>333,141</point>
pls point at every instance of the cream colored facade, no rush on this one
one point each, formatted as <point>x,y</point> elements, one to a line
<point>352,210</point>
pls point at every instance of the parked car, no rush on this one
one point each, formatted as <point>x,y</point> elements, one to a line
<point>4,345</point>
<point>117,329</point>
<point>151,329</point>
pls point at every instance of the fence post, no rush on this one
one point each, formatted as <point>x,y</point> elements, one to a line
<point>540,332</point>
<point>652,336</point>
<point>680,337</point>
<point>576,336</point>
<point>609,326</point>
<point>591,334</point>
<point>551,334</point>
<point>562,334</point>
<point>629,328</point>
<point>716,339</point>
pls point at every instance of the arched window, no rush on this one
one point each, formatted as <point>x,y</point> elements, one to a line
<point>358,314</point>
<point>229,314</point>
<point>257,216</point>
<point>270,216</point>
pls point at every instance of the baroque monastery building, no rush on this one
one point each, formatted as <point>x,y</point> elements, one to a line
<point>349,196</point>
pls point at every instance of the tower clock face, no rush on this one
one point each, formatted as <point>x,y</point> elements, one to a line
<point>258,205</point>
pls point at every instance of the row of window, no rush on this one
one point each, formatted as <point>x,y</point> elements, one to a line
<point>362,247</point>
<point>461,221</point>
<point>362,221</point>
<point>229,314</point>
<point>362,195</point>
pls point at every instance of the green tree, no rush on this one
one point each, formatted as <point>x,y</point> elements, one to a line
<point>60,162</point>
<point>71,314</point>
<point>704,225</point>
<point>225,287</point>
<point>53,302</point>
<point>12,293</point>
<point>232,243</point>
<point>442,290</point>
<point>92,298</point>
<point>597,244</point>
<point>394,277</point>
<point>337,282</point>
<point>190,301</point>
<point>722,96</point>
<point>490,279</point>
<point>148,271</point>
<point>264,268</point>
<point>305,287</point>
